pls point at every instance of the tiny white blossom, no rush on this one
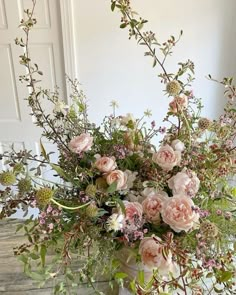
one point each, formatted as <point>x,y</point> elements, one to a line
<point>61,107</point>
<point>114,104</point>
<point>148,113</point>
<point>114,222</point>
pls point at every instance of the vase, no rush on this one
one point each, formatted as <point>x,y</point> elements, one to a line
<point>129,266</point>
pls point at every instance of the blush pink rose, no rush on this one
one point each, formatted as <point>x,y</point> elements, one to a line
<point>185,182</point>
<point>81,143</point>
<point>152,206</point>
<point>178,103</point>
<point>133,212</point>
<point>151,252</point>
<point>178,212</point>
<point>119,177</point>
<point>166,157</point>
<point>105,164</point>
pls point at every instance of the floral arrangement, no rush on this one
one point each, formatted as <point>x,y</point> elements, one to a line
<point>170,209</point>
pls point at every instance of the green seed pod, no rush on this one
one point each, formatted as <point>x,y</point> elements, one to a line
<point>92,210</point>
<point>91,190</point>
<point>173,88</point>
<point>18,168</point>
<point>44,195</point>
<point>24,185</point>
<point>7,178</point>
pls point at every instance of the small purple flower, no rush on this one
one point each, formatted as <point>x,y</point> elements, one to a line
<point>219,212</point>
<point>153,124</point>
<point>43,215</point>
<point>49,209</point>
<point>55,213</point>
<point>162,130</point>
<point>41,221</point>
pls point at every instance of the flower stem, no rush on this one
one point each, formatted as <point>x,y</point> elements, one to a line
<point>69,208</point>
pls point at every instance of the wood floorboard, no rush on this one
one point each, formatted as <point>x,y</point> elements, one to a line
<point>12,279</point>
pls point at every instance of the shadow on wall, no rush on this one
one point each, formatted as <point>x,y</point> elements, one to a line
<point>112,67</point>
<point>227,58</point>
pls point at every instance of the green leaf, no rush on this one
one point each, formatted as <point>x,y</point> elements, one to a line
<point>124,25</point>
<point>70,277</point>
<point>112,188</point>
<point>113,6</point>
<point>121,204</point>
<point>133,286</point>
<point>225,276</point>
<point>23,258</point>
<point>59,171</point>
<point>141,279</point>
<point>43,252</point>
<point>121,275</point>
<point>36,276</point>
<point>34,256</point>
<point>154,63</point>
<point>43,151</point>
<point>19,227</point>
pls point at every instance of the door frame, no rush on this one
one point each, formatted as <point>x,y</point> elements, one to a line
<point>68,37</point>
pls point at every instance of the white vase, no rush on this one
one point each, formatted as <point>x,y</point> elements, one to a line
<point>129,266</point>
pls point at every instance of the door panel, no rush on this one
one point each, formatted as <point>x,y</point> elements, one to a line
<point>46,49</point>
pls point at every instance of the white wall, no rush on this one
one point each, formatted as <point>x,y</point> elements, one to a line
<point>112,67</point>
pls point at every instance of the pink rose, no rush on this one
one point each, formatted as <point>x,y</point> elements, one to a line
<point>178,103</point>
<point>178,213</point>
<point>166,157</point>
<point>133,210</point>
<point>119,177</point>
<point>152,206</point>
<point>151,252</point>
<point>81,143</point>
<point>105,164</point>
<point>177,145</point>
<point>185,182</point>
<point>133,215</point>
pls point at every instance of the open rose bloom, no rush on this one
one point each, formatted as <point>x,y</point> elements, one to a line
<point>178,212</point>
<point>119,177</point>
<point>185,182</point>
<point>133,215</point>
<point>152,206</point>
<point>105,164</point>
<point>81,143</point>
<point>151,252</point>
<point>167,158</point>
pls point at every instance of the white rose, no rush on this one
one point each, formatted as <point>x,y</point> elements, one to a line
<point>178,145</point>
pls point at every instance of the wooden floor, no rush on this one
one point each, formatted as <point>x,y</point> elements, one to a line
<point>12,279</point>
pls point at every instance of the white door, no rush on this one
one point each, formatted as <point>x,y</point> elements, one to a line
<point>45,49</point>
